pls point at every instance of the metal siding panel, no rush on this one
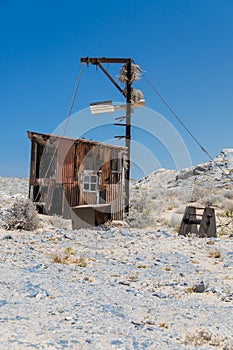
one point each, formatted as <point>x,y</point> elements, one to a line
<point>88,198</point>
<point>65,161</point>
<point>114,193</point>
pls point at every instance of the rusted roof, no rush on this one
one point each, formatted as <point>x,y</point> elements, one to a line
<point>43,138</point>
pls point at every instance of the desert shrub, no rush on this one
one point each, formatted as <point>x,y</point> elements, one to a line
<point>58,221</point>
<point>197,194</point>
<point>229,213</point>
<point>141,210</point>
<point>228,194</point>
<point>227,204</point>
<point>175,220</point>
<point>22,216</point>
<point>180,209</point>
<point>219,200</point>
<point>214,253</point>
<point>213,199</point>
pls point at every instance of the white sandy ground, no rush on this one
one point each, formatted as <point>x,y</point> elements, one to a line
<point>135,289</point>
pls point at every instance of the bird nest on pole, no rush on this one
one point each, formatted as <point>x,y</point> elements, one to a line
<point>135,73</point>
<point>136,95</point>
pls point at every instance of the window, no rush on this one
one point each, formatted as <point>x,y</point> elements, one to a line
<point>90,183</point>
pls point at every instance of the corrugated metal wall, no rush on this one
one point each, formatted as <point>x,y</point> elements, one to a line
<point>72,160</point>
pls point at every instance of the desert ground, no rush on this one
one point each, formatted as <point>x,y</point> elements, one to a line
<point>127,285</point>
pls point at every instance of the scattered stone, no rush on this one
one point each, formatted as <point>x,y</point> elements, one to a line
<point>124,283</point>
<point>159,295</point>
<point>199,287</point>
<point>137,324</point>
<point>126,232</point>
<point>3,302</point>
<point>68,236</point>
<point>68,318</point>
<point>40,266</point>
<point>116,342</point>
<point>9,236</point>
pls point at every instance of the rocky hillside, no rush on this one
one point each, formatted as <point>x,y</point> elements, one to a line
<point>159,199</point>
<point>162,196</point>
<point>12,188</point>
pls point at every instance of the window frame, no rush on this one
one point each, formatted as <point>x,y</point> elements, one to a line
<point>89,175</point>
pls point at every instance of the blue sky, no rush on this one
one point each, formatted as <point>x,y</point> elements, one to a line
<point>185,47</point>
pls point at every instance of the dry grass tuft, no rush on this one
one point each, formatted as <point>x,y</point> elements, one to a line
<point>163,325</point>
<point>210,242</point>
<point>133,278</point>
<point>142,266</point>
<point>207,338</point>
<point>67,257</point>
<point>189,290</point>
<point>167,268</point>
<point>214,253</point>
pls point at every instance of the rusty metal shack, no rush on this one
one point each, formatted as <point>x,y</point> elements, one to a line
<point>67,172</point>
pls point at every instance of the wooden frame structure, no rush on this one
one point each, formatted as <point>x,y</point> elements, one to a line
<point>202,225</point>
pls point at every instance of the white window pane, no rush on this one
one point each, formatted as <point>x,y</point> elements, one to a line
<point>86,179</point>
<point>93,187</point>
<point>93,179</point>
<point>86,187</point>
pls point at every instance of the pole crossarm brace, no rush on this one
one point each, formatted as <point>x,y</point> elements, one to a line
<point>97,62</point>
<point>112,80</point>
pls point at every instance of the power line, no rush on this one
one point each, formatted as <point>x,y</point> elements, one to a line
<point>73,99</point>
<point>182,123</point>
<point>66,124</point>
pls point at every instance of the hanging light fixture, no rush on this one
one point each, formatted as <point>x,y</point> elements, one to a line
<point>107,106</point>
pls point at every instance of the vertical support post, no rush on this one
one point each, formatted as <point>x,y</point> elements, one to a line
<point>128,133</point>
<point>32,174</point>
<point>97,62</point>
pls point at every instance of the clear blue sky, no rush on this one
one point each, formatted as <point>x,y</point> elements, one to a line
<point>185,47</point>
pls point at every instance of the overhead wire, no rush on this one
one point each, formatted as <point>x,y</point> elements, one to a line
<point>73,98</point>
<point>182,123</point>
<point>66,122</point>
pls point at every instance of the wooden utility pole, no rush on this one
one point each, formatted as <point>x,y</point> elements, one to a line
<point>128,133</point>
<point>128,94</point>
